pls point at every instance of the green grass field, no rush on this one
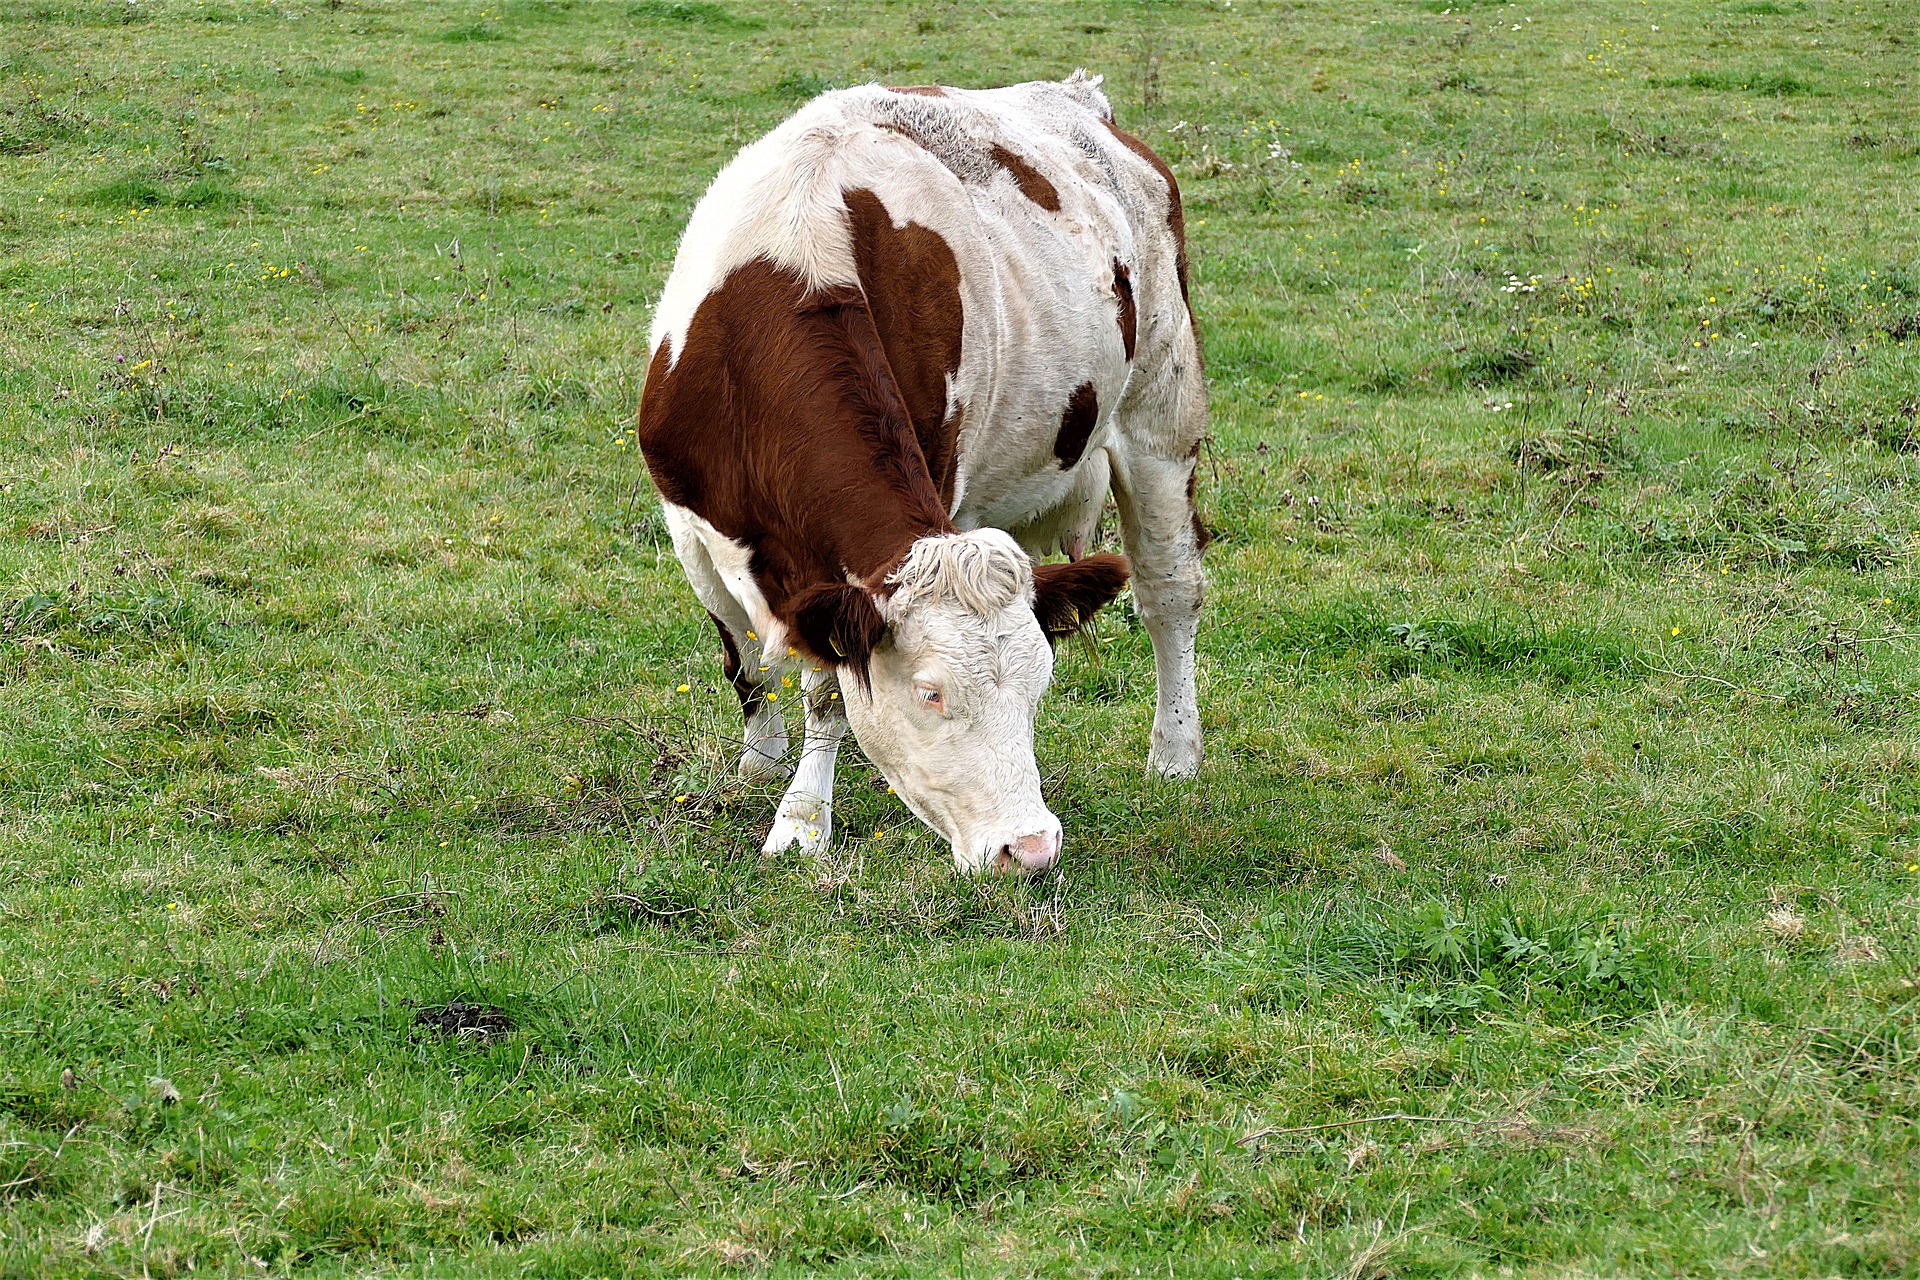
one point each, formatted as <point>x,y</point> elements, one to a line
<point>374,896</point>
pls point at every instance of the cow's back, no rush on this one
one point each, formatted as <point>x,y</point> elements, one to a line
<point>1022,259</point>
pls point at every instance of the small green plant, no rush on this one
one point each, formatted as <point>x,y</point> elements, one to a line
<point>801,84</point>
<point>1773,84</point>
<point>473,33</point>
<point>694,12</point>
<point>1443,963</point>
<point>1587,452</point>
<point>1496,364</point>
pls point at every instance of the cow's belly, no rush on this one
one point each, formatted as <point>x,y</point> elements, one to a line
<point>1011,500</point>
<point>1049,512</point>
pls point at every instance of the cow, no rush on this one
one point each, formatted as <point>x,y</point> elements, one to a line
<point>911,340</point>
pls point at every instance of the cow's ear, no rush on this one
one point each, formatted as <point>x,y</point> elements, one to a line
<point>1066,596</point>
<point>840,625</point>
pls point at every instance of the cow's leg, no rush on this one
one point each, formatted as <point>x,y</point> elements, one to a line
<point>805,818</point>
<point>1165,539</point>
<point>766,734</point>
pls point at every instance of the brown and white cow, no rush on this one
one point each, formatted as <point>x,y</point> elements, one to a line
<point>911,340</point>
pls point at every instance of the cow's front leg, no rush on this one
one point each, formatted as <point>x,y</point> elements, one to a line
<point>805,818</point>
<point>1164,540</point>
<point>765,751</point>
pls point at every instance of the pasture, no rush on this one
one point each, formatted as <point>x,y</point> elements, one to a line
<point>376,896</point>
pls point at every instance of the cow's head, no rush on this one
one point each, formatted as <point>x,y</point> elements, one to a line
<point>942,674</point>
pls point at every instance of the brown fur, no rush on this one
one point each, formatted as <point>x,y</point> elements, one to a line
<point>1033,184</point>
<point>1129,319</point>
<point>912,283</point>
<point>1077,422</point>
<point>1066,596</point>
<point>961,158</point>
<point>781,425</point>
<point>964,159</point>
<point>1201,534</point>
<point>924,90</point>
<point>839,623</point>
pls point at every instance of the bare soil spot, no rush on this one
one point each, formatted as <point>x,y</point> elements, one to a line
<point>458,1020</point>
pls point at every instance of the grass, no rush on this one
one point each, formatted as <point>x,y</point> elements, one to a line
<point>375,904</point>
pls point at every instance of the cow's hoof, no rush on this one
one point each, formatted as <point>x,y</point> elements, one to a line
<point>1174,760</point>
<point>805,825</point>
<point>764,753</point>
<point>758,766</point>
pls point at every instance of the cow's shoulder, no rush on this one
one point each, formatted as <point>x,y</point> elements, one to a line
<point>775,418</point>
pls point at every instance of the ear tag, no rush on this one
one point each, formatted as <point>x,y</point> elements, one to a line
<point>836,648</point>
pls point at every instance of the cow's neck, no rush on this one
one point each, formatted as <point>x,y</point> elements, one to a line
<point>864,492</point>
<point>865,495</point>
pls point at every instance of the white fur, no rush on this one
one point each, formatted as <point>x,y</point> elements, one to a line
<point>981,572</point>
<point>1039,318</point>
<point>718,568</point>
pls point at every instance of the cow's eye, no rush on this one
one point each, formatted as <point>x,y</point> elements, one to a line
<point>930,697</point>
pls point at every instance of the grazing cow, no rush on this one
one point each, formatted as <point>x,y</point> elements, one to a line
<point>911,340</point>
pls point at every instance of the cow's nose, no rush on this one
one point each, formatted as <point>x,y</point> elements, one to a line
<point>1029,855</point>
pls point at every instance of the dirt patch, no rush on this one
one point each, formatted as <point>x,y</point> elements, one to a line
<point>458,1020</point>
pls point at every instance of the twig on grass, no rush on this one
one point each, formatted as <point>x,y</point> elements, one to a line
<point>1366,1263</point>
<point>1701,675</point>
<point>417,900</point>
<point>1889,638</point>
<point>37,1174</point>
<point>155,1218</point>
<point>1261,1135</point>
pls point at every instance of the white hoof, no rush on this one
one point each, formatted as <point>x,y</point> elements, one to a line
<point>803,823</point>
<point>766,746</point>
<point>764,762</point>
<point>1175,759</point>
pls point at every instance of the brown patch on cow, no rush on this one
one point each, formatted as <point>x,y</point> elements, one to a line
<point>1202,535</point>
<point>912,284</point>
<point>924,90</point>
<point>1077,422</point>
<point>752,696</point>
<point>1176,213</point>
<point>948,450</point>
<point>780,423</point>
<point>966,159</point>
<point>1123,290</point>
<point>955,153</point>
<point>1033,184</point>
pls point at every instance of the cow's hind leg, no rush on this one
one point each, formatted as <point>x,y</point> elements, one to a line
<point>1165,539</point>
<point>766,729</point>
<point>805,819</point>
